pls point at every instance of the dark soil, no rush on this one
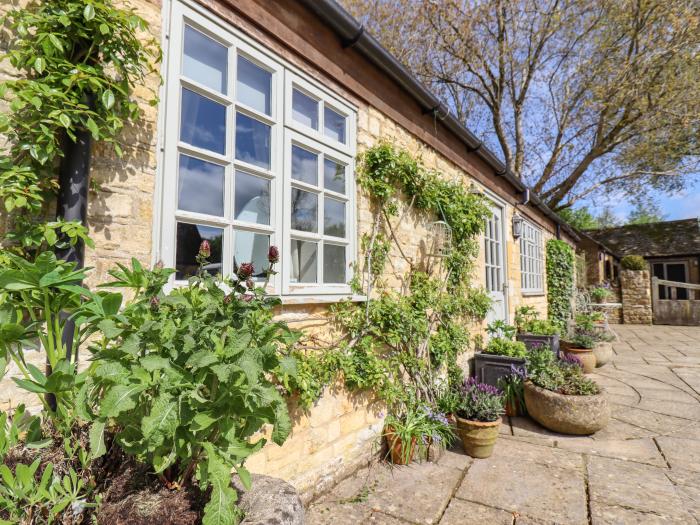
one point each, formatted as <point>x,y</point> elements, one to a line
<point>131,495</point>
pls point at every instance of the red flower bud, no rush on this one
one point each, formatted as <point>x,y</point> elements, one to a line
<point>246,271</point>
<point>273,255</point>
<point>247,298</point>
<point>155,303</point>
<point>205,249</point>
<point>250,284</point>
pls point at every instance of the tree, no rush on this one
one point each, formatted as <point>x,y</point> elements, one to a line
<point>607,218</point>
<point>580,97</point>
<point>580,218</point>
<point>645,212</point>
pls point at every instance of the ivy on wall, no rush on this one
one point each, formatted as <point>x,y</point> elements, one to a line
<point>78,64</point>
<point>400,344</point>
<point>560,280</point>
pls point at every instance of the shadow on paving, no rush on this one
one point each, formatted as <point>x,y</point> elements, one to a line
<point>644,468</point>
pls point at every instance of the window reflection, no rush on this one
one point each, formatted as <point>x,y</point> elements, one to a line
<point>189,239</point>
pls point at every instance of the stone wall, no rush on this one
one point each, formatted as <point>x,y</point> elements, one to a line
<point>636,297</point>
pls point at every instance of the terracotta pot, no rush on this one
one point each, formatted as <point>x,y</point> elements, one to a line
<point>478,437</point>
<point>577,415</point>
<point>512,409</point>
<point>586,356</point>
<point>397,450</point>
<point>603,353</point>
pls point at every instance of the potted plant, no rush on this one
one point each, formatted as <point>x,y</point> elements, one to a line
<point>599,294</point>
<point>560,398</point>
<point>479,417</point>
<point>415,428</point>
<point>513,395</point>
<point>581,346</point>
<point>589,324</point>
<point>534,331</point>
<point>500,354</point>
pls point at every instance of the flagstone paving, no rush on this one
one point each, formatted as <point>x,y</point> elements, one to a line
<point>644,468</point>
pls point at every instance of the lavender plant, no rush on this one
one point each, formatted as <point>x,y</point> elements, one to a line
<point>480,402</point>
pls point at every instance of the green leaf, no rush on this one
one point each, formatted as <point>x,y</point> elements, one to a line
<point>92,127</point>
<point>89,12</point>
<point>104,29</point>
<point>109,329</point>
<point>283,424</point>
<point>161,423</point>
<point>64,120</point>
<point>119,399</point>
<point>30,386</point>
<point>245,477</point>
<point>97,438</point>
<point>154,362</point>
<point>202,421</point>
<point>40,65</point>
<point>108,98</point>
<point>201,359</point>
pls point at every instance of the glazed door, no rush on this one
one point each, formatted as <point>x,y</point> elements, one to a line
<point>494,258</point>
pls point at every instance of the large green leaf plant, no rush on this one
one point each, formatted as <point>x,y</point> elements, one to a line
<point>185,379</point>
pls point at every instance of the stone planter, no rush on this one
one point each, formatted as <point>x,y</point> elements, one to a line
<point>533,340</point>
<point>586,356</point>
<point>489,368</point>
<point>478,437</point>
<point>577,415</point>
<point>603,353</point>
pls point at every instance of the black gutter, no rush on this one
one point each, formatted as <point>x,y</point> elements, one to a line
<point>353,34</point>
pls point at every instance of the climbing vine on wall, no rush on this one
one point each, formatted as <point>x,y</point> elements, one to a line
<point>78,63</point>
<point>401,343</point>
<point>560,280</point>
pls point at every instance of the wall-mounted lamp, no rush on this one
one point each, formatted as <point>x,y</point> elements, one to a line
<point>517,226</point>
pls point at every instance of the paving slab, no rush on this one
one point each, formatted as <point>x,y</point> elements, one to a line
<point>539,491</point>
<point>462,512</point>
<point>641,488</point>
<point>681,452</point>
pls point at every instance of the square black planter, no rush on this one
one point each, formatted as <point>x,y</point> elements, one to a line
<point>489,368</point>
<point>531,340</point>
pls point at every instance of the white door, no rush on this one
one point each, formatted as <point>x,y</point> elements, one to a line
<point>495,264</point>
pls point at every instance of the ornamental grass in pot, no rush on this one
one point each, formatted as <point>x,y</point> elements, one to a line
<point>513,394</point>
<point>415,427</point>
<point>559,396</point>
<point>479,417</point>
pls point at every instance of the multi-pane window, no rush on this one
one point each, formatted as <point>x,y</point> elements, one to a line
<point>531,259</point>
<point>255,155</point>
<point>493,253</point>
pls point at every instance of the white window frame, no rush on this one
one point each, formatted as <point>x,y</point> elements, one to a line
<point>531,260</point>
<point>283,130</point>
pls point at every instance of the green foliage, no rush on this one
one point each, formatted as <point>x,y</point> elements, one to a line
<point>580,218</point>
<point>513,390</point>
<point>560,280</point>
<point>634,262</point>
<point>385,173</point>
<point>527,321</point>
<point>37,299</point>
<point>599,293</point>
<point>549,373</point>
<point>184,379</point>
<point>581,340</point>
<point>80,62</point>
<point>506,347</point>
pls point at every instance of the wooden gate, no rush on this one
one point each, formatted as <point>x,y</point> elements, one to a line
<point>680,304</point>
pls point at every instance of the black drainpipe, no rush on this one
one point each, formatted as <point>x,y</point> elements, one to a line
<point>71,205</point>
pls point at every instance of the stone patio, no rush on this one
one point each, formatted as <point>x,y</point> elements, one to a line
<point>644,468</point>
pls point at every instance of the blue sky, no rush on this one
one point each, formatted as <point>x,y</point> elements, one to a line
<point>681,205</point>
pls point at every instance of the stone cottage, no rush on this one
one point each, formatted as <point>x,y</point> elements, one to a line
<point>263,108</point>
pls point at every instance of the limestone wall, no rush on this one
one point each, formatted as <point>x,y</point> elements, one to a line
<point>636,297</point>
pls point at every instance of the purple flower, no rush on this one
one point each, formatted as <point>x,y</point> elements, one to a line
<point>205,249</point>
<point>245,271</point>
<point>571,359</point>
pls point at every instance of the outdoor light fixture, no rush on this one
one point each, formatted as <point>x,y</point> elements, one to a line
<point>517,226</point>
<point>441,233</point>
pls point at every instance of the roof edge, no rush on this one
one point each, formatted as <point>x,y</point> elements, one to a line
<point>352,33</point>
